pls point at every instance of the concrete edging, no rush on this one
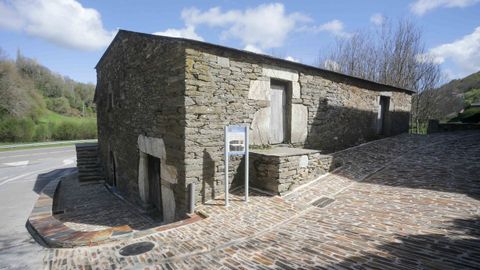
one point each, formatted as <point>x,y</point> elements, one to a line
<point>54,234</point>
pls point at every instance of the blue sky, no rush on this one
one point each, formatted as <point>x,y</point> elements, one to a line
<point>70,36</point>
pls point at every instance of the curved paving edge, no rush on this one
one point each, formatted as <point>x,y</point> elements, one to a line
<point>55,234</point>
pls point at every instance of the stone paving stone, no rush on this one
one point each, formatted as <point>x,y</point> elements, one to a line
<point>408,202</point>
<point>91,207</point>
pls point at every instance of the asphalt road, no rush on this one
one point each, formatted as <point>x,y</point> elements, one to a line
<point>23,174</point>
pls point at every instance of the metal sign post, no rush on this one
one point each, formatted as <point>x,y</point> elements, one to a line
<point>236,144</point>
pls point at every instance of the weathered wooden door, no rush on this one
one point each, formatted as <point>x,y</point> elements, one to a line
<point>384,106</point>
<point>113,170</point>
<point>154,185</point>
<point>278,113</point>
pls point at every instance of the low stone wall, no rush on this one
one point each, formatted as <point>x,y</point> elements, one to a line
<point>435,126</point>
<point>282,169</point>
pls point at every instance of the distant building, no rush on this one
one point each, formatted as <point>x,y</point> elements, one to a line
<point>162,104</point>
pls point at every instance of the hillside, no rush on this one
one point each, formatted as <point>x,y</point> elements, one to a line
<point>448,101</point>
<point>37,104</point>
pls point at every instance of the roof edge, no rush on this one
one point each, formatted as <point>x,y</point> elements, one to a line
<point>196,42</point>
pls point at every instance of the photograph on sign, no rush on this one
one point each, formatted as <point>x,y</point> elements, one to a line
<point>236,140</point>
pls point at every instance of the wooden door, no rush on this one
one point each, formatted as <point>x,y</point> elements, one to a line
<point>278,114</point>
<point>113,170</point>
<point>154,185</point>
<point>384,107</point>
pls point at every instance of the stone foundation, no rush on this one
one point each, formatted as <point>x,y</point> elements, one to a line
<point>282,169</point>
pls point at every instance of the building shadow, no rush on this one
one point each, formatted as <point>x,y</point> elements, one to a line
<point>208,176</point>
<point>45,178</point>
<point>93,206</point>
<point>436,162</point>
<point>439,162</point>
<point>334,128</point>
<point>459,248</point>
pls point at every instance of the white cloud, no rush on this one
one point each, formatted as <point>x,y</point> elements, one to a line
<point>334,27</point>
<point>420,7</point>
<point>377,19</point>
<point>291,58</point>
<point>64,22</point>
<point>428,58</point>
<point>253,48</point>
<point>187,32</point>
<point>465,53</point>
<point>263,27</point>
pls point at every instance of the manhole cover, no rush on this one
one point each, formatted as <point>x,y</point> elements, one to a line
<point>322,202</point>
<point>136,249</point>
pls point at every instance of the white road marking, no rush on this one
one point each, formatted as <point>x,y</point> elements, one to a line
<point>28,174</point>
<point>36,154</point>
<point>68,161</point>
<point>16,164</point>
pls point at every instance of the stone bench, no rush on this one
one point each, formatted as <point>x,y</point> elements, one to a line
<point>282,169</point>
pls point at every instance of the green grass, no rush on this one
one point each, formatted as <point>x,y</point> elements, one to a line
<point>470,115</point>
<point>33,147</point>
<point>472,96</point>
<point>47,127</point>
<point>52,117</point>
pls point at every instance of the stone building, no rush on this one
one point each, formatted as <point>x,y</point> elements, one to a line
<point>163,103</point>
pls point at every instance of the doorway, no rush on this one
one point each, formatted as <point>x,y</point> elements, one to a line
<point>382,115</point>
<point>154,191</point>
<point>278,113</point>
<point>113,170</point>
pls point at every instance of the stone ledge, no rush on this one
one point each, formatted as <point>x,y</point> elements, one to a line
<point>284,151</point>
<point>56,234</point>
<point>283,169</point>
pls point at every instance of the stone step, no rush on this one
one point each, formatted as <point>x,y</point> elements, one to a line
<point>88,156</point>
<point>90,178</point>
<point>87,163</point>
<point>97,173</point>
<point>88,166</point>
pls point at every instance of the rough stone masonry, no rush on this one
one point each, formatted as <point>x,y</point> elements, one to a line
<point>166,100</point>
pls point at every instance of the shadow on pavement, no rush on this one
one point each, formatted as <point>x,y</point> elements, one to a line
<point>447,162</point>
<point>44,178</point>
<point>458,248</point>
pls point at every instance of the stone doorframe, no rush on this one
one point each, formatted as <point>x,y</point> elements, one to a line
<point>297,125</point>
<point>168,175</point>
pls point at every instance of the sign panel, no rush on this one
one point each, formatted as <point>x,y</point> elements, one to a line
<point>236,143</point>
<point>236,140</point>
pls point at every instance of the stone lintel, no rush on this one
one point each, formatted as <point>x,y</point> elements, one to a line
<point>280,73</point>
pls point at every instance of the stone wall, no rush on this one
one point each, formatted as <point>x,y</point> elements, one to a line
<point>145,77</point>
<point>282,169</point>
<point>343,115</point>
<point>326,111</point>
<point>171,98</point>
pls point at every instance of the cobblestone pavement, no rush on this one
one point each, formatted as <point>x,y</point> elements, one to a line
<point>91,207</point>
<point>408,202</point>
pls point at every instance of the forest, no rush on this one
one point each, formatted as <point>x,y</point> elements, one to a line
<point>37,104</point>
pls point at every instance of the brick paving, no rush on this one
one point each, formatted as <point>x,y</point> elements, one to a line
<point>78,201</point>
<point>408,202</point>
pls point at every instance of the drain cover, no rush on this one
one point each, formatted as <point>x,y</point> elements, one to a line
<point>136,249</point>
<point>322,202</point>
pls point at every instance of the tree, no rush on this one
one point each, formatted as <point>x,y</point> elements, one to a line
<point>394,55</point>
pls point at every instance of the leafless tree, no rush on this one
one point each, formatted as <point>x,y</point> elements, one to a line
<point>393,55</point>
